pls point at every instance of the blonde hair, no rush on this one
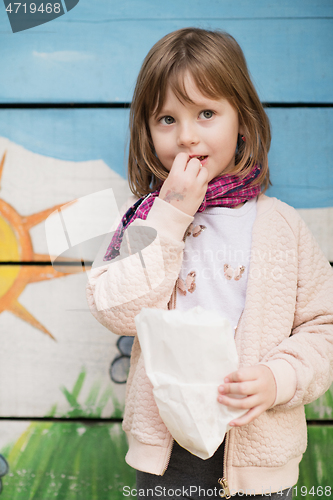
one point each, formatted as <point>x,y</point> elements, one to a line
<point>217,64</point>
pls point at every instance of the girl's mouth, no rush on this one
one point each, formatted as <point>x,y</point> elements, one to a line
<point>200,158</point>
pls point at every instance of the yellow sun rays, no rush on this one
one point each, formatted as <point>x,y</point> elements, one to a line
<point>15,248</point>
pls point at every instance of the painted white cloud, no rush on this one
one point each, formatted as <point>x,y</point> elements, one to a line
<point>63,55</point>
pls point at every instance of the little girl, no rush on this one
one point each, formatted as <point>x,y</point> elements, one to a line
<point>198,170</point>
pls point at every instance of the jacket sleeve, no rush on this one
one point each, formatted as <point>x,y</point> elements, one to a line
<point>302,364</point>
<point>117,291</point>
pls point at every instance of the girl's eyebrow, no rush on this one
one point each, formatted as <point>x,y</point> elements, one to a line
<point>163,111</point>
<point>202,105</point>
<point>204,102</point>
<point>208,103</point>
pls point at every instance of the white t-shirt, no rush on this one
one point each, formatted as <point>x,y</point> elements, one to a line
<point>216,261</point>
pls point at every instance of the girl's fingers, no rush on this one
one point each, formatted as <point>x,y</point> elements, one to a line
<point>186,183</point>
<point>240,403</point>
<point>180,162</point>
<point>243,374</point>
<point>191,168</point>
<point>257,384</point>
<point>247,418</point>
<point>194,166</point>
<point>242,388</point>
<point>203,171</point>
<point>250,380</point>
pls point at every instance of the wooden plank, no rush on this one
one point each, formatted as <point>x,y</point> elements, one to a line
<point>300,156</point>
<point>66,460</point>
<point>78,59</point>
<point>175,9</point>
<point>77,135</point>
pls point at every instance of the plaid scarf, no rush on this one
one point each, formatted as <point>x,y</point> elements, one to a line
<point>225,191</point>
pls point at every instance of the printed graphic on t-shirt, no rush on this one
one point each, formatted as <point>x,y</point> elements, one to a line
<point>188,284</point>
<point>194,231</point>
<point>236,274</point>
<point>216,261</point>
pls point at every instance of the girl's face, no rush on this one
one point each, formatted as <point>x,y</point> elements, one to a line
<point>207,129</point>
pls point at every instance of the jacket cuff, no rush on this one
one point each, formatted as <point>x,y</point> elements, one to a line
<point>285,379</point>
<point>168,220</point>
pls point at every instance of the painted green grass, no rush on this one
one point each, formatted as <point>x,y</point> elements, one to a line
<point>316,467</point>
<point>85,461</point>
<point>322,408</point>
<point>70,460</point>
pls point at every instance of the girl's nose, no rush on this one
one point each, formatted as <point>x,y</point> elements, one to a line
<point>187,135</point>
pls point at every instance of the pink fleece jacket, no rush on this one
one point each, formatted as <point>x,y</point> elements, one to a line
<point>287,324</point>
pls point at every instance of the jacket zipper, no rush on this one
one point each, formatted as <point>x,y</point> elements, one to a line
<point>168,458</point>
<point>171,305</point>
<point>223,480</point>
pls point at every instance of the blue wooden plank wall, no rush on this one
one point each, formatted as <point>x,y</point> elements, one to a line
<point>65,89</point>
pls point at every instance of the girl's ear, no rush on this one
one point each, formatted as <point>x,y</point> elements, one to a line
<point>242,133</point>
<point>241,129</point>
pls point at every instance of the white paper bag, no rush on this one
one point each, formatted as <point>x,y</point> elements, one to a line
<point>187,354</point>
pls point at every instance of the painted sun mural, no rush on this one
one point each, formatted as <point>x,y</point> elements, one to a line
<point>16,246</point>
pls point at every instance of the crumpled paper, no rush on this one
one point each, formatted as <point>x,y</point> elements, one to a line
<point>187,354</point>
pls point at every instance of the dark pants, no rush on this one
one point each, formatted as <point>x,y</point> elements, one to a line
<point>190,477</point>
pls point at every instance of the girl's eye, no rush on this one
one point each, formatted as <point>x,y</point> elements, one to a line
<point>207,113</point>
<point>166,120</point>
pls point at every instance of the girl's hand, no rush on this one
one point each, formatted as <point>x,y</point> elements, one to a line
<point>257,383</point>
<point>186,184</point>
